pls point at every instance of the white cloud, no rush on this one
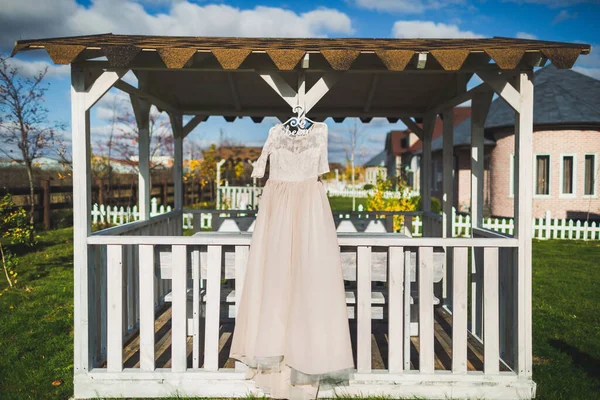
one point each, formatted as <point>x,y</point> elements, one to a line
<point>429,29</point>
<point>405,6</point>
<point>563,16</point>
<point>525,35</point>
<point>66,17</point>
<point>553,3</point>
<point>33,68</point>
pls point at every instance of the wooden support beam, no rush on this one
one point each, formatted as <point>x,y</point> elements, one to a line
<point>192,123</point>
<point>101,85</point>
<point>461,98</point>
<point>501,85</point>
<point>320,89</point>
<point>82,226</point>
<point>448,202</point>
<point>412,125</point>
<point>448,172</point>
<point>280,86</point>
<point>159,103</point>
<point>177,125</point>
<point>320,112</point>
<point>479,110</point>
<point>523,212</point>
<point>141,110</point>
<point>426,168</point>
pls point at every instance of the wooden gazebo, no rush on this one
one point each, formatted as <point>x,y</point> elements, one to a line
<point>148,300</point>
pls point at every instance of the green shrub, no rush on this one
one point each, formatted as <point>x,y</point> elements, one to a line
<point>436,205</point>
<point>369,186</point>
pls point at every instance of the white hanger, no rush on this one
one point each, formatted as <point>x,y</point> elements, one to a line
<point>298,125</point>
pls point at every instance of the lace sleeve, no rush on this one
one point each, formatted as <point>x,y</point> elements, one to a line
<point>261,163</point>
<point>324,158</point>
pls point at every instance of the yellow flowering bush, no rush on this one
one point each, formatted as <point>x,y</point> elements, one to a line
<point>378,202</point>
<point>15,229</point>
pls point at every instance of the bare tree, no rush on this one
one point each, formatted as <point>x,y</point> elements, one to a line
<point>354,135</point>
<point>25,131</point>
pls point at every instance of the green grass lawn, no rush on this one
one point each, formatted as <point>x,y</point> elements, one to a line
<point>36,321</point>
<point>339,203</point>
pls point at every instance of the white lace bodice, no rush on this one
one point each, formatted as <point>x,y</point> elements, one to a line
<point>294,158</point>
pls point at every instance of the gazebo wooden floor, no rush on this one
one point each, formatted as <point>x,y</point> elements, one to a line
<point>379,343</point>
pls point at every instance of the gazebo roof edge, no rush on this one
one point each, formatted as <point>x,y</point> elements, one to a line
<point>176,51</point>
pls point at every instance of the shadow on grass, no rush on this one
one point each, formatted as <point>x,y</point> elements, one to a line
<point>582,360</point>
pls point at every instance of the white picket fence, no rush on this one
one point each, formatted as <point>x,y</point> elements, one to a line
<point>122,215</point>
<point>361,193</point>
<point>543,228</point>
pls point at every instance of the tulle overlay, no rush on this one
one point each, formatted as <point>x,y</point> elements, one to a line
<point>292,326</point>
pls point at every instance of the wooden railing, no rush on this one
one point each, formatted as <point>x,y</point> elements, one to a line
<point>134,259</point>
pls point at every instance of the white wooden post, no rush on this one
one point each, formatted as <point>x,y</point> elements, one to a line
<point>80,124</point>
<point>396,296</point>
<point>426,324</point>
<point>523,213</point>
<point>146,301</point>
<point>447,202</point>
<point>85,92</point>
<point>459,311</point>
<point>141,108</point>
<point>428,125</point>
<point>177,126</point>
<point>480,107</point>
<point>219,165</point>
<point>448,183</point>
<point>363,309</point>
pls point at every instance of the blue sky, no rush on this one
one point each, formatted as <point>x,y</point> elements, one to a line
<point>557,20</point>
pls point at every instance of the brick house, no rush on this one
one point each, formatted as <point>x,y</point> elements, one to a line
<point>402,148</point>
<point>566,144</point>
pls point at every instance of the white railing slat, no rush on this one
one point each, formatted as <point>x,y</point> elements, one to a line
<point>459,311</point>
<point>426,333</point>
<point>406,306</point>
<point>146,301</point>
<point>395,320</point>
<point>196,308</point>
<point>178,306</point>
<point>114,323</point>
<point>363,306</point>
<point>241,259</point>
<point>213,293</point>
<point>491,341</point>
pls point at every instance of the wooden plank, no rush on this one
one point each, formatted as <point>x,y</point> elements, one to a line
<point>363,358</point>
<point>179,304</point>
<point>448,201</point>
<point>114,290</point>
<point>396,313</point>
<point>146,299</point>
<point>426,334</point>
<point>406,319</point>
<point>491,348</point>
<point>459,311</point>
<point>130,289</point>
<point>213,293</point>
<point>196,308</point>
<point>523,216</point>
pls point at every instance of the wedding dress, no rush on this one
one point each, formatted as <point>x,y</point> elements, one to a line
<point>292,328</point>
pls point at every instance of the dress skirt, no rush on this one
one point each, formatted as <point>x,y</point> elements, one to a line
<point>292,328</point>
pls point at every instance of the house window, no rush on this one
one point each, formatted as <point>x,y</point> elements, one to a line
<point>589,175</point>
<point>542,177</point>
<point>567,175</point>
